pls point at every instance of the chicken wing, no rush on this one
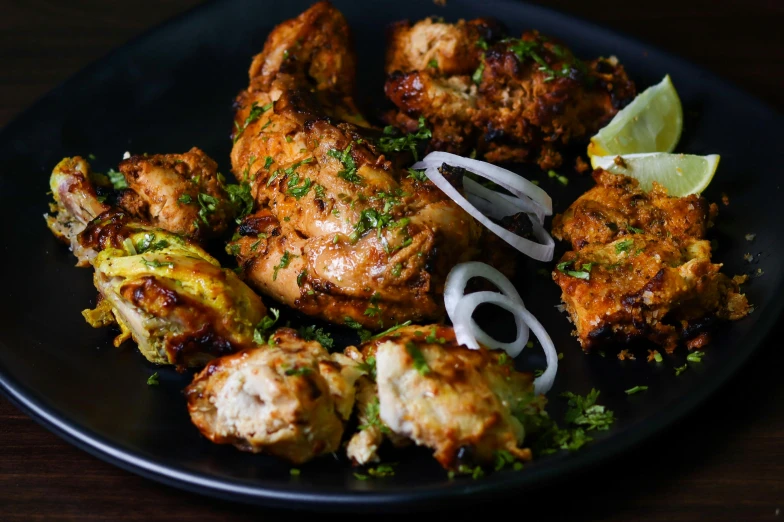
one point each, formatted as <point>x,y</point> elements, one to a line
<point>163,290</point>
<point>509,99</point>
<point>290,399</point>
<point>641,266</point>
<point>341,231</point>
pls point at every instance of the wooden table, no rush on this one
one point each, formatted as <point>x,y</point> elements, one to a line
<point>726,462</point>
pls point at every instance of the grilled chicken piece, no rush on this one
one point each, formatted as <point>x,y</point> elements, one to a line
<point>181,193</point>
<point>290,399</point>
<point>511,100</point>
<point>641,266</point>
<point>73,187</point>
<point>464,404</point>
<point>163,290</point>
<point>341,232</point>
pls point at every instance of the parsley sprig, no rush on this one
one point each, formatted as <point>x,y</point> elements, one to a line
<point>393,141</point>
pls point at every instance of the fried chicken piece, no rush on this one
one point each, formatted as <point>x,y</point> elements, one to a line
<point>466,405</point>
<point>290,399</point>
<point>340,232</point>
<point>181,193</point>
<point>641,266</point>
<point>616,207</point>
<point>510,100</point>
<point>163,290</point>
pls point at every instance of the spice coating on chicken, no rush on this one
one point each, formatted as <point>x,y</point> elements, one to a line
<point>181,193</point>
<point>508,99</point>
<point>464,404</point>
<point>341,232</point>
<point>287,399</point>
<point>163,290</point>
<point>641,266</point>
<point>76,203</point>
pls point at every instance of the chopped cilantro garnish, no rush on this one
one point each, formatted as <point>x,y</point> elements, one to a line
<point>680,369</point>
<point>157,264</point>
<point>585,273</point>
<point>349,172</point>
<point>623,246</point>
<point>185,199</point>
<point>503,459</point>
<point>241,200</point>
<point>478,73</point>
<point>268,161</point>
<point>392,141</point>
<point>390,330</point>
<point>117,179</point>
<point>298,190</point>
<point>360,476</point>
<point>417,175</point>
<point>364,334</point>
<point>397,270</point>
<point>583,411</point>
<point>255,113</point>
<point>319,190</point>
<point>482,44</point>
<point>294,472</point>
<point>433,63</point>
<point>311,333</point>
<point>301,277</point>
<point>634,230</point>
<point>152,380</point>
<point>285,259</point>
<point>695,357</point>
<point>304,370</point>
<point>431,338</point>
<point>208,205</point>
<point>382,470</point>
<point>636,389</point>
<point>369,367</point>
<point>420,363</point>
<point>265,325</point>
<point>369,219</point>
<point>148,244</point>
<point>372,418</point>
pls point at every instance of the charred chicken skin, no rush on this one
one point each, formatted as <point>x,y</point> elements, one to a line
<point>163,290</point>
<point>509,99</point>
<point>641,266</point>
<point>290,399</point>
<point>340,232</point>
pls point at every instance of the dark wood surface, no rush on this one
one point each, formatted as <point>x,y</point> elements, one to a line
<point>725,462</point>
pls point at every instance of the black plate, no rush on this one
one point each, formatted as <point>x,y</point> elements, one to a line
<point>172,89</point>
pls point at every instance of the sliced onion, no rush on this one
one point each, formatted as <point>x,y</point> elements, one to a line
<point>507,179</point>
<point>502,205</point>
<point>461,307</point>
<point>454,293</point>
<point>538,251</point>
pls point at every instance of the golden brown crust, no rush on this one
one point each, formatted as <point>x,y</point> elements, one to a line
<point>341,232</point>
<point>170,190</point>
<point>641,266</point>
<point>520,100</point>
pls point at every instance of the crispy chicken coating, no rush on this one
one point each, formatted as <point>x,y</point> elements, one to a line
<point>466,405</point>
<point>641,266</point>
<point>290,399</point>
<point>181,193</point>
<point>508,99</point>
<point>340,232</point>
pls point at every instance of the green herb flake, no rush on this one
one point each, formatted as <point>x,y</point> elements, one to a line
<point>634,230</point>
<point>433,64</point>
<point>636,389</point>
<point>585,273</point>
<point>152,380</point>
<point>392,141</point>
<point>417,175</point>
<point>349,172</point>
<point>240,199</point>
<point>157,264</point>
<point>391,330</point>
<point>117,179</point>
<point>478,73</point>
<point>418,358</point>
<point>260,334</point>
<point>431,338</point>
<point>298,372</point>
<point>255,113</point>
<point>294,472</point>
<point>311,333</point>
<point>364,334</point>
<point>397,270</point>
<point>296,190</point>
<point>382,470</point>
<point>369,367</point>
<point>624,246</point>
<point>372,418</point>
<point>185,199</point>
<point>360,476</point>
<point>680,369</point>
<point>695,357</point>
<point>285,259</point>
<point>301,277</point>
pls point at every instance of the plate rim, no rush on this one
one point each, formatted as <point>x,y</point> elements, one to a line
<point>84,438</point>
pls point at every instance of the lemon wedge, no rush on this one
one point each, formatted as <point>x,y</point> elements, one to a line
<point>680,174</point>
<point>652,122</point>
